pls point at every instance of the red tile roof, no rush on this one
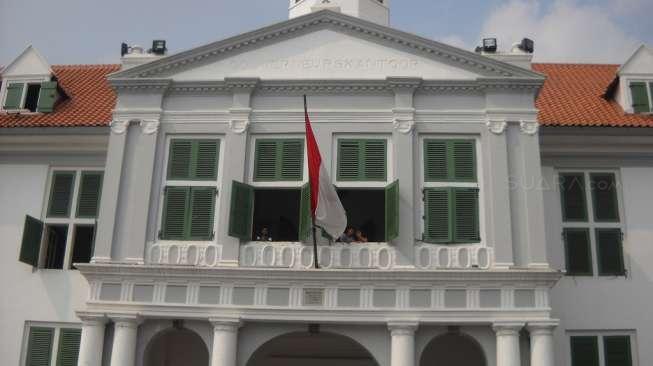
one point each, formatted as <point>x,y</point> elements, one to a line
<point>573,96</point>
<point>89,102</point>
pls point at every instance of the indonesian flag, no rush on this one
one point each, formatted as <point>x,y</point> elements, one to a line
<point>326,207</point>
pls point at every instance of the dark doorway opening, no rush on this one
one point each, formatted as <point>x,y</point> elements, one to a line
<point>278,211</point>
<point>83,244</point>
<point>365,211</point>
<point>55,246</point>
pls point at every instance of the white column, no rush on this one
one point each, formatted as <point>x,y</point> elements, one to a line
<point>92,341</point>
<point>225,342</point>
<point>508,343</point>
<point>542,343</point>
<point>124,340</point>
<point>402,351</point>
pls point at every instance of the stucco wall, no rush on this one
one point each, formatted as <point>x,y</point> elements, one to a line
<point>29,295</point>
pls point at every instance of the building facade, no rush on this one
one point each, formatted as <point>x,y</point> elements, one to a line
<point>155,212</point>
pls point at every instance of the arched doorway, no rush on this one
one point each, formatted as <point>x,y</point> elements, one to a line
<point>319,349</point>
<point>176,347</point>
<point>453,350</point>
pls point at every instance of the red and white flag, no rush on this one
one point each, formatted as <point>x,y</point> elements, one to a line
<point>326,207</point>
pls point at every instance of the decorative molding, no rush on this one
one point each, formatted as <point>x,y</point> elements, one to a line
<point>119,127</point>
<point>150,126</point>
<point>497,126</point>
<point>528,127</point>
<point>403,125</point>
<point>402,328</point>
<point>230,325</point>
<point>140,84</point>
<point>507,328</point>
<point>239,126</point>
<point>543,327</point>
<point>130,321</point>
<point>91,318</point>
<point>328,19</point>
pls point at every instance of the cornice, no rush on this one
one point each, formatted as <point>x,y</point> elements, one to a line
<point>140,84</point>
<point>541,277</point>
<point>338,21</point>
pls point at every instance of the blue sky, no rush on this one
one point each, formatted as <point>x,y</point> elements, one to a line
<point>90,31</point>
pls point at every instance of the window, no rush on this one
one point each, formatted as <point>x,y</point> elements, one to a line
<point>365,188</point>
<point>32,97</point>
<point>451,192</point>
<point>606,350</point>
<point>642,96</point>
<point>190,191</point>
<point>591,222</point>
<point>49,345</point>
<point>67,233</point>
<point>276,206</point>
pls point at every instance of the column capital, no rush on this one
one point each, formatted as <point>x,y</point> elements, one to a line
<point>119,126</point>
<point>150,126</point>
<point>542,327</point>
<point>126,320</point>
<point>507,328</point>
<point>90,318</point>
<point>402,327</point>
<point>226,324</point>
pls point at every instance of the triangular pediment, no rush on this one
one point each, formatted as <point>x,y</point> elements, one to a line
<point>641,62</point>
<point>326,45</point>
<point>28,63</point>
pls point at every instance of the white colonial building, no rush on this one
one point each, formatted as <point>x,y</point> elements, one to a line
<point>507,206</point>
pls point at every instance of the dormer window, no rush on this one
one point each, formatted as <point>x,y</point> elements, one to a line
<point>642,96</point>
<point>30,97</point>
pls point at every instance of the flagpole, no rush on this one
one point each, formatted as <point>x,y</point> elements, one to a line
<point>315,257</point>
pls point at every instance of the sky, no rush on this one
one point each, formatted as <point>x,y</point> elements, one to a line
<point>90,31</point>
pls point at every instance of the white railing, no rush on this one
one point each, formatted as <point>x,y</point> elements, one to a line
<point>429,256</point>
<point>300,256</point>
<point>184,254</point>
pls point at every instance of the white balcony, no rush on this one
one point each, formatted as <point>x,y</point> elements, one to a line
<point>298,256</point>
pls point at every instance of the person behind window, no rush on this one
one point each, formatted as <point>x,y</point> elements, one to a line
<point>264,235</point>
<point>360,237</point>
<point>348,236</point>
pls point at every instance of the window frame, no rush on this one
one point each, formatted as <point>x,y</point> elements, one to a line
<point>649,89</point>
<point>283,184</point>
<point>191,182</point>
<point>346,184</point>
<point>25,82</point>
<point>601,335</point>
<point>57,328</point>
<point>591,223</point>
<point>478,184</point>
<point>71,221</point>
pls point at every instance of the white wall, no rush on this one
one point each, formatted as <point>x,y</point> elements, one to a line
<point>608,303</point>
<point>28,295</point>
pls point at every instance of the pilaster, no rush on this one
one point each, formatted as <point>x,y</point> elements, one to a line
<point>404,141</point>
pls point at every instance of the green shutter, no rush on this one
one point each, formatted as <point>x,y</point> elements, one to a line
<point>265,157</point>
<point>179,159</point>
<point>465,215</point>
<point>242,208</point>
<point>68,352</point>
<point>392,211</point>
<point>640,97</point>
<point>39,346</point>
<point>435,160</point>
<point>609,248</point>
<point>362,160</point>
<point>349,160</point>
<point>305,217</point>
<point>584,351</point>
<point>464,160</point>
<point>202,203</point>
<point>437,213</point>
<point>175,214</point>
<point>205,159</point>
<point>450,160</point>
<point>617,351</point>
<point>61,192</point>
<point>604,197</point>
<point>292,160</point>
<point>14,96</point>
<point>47,96</point>
<point>578,252</point>
<point>572,192</point>
<point>90,190</point>
<point>31,244</point>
